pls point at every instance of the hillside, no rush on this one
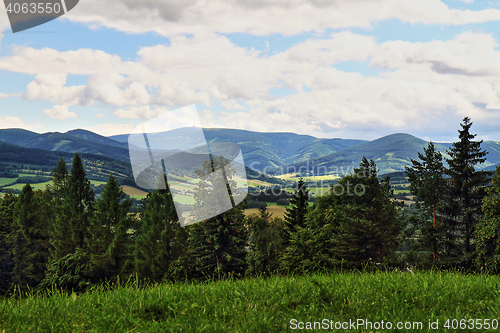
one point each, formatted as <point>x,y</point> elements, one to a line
<point>259,150</point>
<point>97,167</point>
<point>63,142</point>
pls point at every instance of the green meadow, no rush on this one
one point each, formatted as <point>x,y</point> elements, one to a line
<point>274,304</point>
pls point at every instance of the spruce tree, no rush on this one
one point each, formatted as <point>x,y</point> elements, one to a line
<point>296,215</point>
<point>70,263</point>
<point>29,237</point>
<point>109,242</point>
<point>266,243</point>
<point>160,241</point>
<point>7,207</point>
<point>73,216</point>
<point>428,185</point>
<point>217,245</point>
<point>355,223</point>
<point>466,191</point>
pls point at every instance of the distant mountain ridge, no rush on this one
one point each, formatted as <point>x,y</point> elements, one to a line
<point>280,152</point>
<point>64,142</point>
<point>261,149</point>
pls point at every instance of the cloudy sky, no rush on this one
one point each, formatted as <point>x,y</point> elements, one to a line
<point>329,68</point>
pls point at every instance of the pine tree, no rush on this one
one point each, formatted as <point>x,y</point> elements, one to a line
<point>368,200</point>
<point>487,232</point>
<point>218,244</point>
<point>109,242</point>
<point>266,243</point>
<point>296,215</point>
<point>354,224</point>
<point>29,237</point>
<point>160,241</point>
<point>70,264</point>
<point>7,207</point>
<point>73,216</point>
<point>466,192</point>
<point>59,179</point>
<point>428,186</point>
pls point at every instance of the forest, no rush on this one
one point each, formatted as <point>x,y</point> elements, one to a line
<point>67,238</point>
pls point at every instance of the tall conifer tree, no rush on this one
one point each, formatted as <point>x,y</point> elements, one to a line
<point>109,242</point>
<point>218,244</point>
<point>428,185</point>
<point>296,215</point>
<point>467,189</point>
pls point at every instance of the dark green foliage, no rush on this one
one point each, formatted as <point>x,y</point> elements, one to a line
<point>217,245</point>
<point>487,232</point>
<point>266,243</point>
<point>108,242</point>
<point>29,238</point>
<point>160,241</point>
<point>79,201</point>
<point>355,224</point>
<point>7,207</point>
<point>70,229</point>
<point>429,187</point>
<point>296,215</point>
<point>283,202</point>
<point>466,191</point>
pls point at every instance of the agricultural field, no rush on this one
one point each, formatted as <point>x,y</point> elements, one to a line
<point>274,304</point>
<point>134,192</point>
<point>39,186</point>
<point>277,211</point>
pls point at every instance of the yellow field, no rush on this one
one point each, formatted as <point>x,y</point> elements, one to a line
<point>134,192</point>
<point>292,177</point>
<point>277,211</point>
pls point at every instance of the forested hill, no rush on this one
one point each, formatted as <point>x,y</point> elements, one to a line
<point>81,142</point>
<point>391,153</point>
<point>261,149</point>
<point>281,151</point>
<point>98,167</point>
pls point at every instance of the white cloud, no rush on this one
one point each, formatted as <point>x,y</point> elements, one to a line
<point>231,105</point>
<point>109,129</point>
<point>287,17</point>
<point>100,115</point>
<point>16,122</point>
<point>60,112</point>
<point>141,112</point>
<point>427,83</point>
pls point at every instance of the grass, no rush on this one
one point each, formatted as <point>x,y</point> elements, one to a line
<point>402,191</point>
<point>263,304</point>
<point>7,181</point>
<point>39,186</point>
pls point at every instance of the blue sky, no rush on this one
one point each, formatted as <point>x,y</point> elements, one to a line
<point>351,69</point>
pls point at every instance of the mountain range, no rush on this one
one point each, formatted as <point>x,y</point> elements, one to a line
<point>276,152</point>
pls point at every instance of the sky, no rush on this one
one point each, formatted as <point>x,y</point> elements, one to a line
<point>357,69</point>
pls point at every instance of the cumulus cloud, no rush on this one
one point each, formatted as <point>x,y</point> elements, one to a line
<point>60,112</point>
<point>287,17</point>
<point>420,87</point>
<point>141,112</point>
<point>109,129</point>
<point>16,122</point>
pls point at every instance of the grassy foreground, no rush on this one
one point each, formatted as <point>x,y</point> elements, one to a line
<point>263,305</point>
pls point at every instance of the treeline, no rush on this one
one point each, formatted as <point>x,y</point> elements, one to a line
<point>64,237</point>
